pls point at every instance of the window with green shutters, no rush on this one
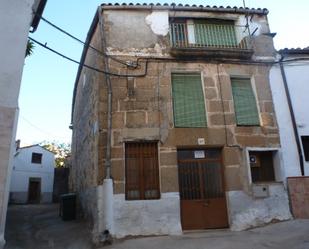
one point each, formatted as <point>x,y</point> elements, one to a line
<point>204,33</point>
<point>244,102</point>
<point>188,100</point>
<point>215,33</point>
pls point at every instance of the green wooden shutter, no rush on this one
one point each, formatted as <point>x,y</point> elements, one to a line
<point>215,33</point>
<point>244,102</point>
<point>188,100</point>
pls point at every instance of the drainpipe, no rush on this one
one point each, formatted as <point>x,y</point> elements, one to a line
<point>300,154</point>
<point>109,100</point>
<point>105,192</point>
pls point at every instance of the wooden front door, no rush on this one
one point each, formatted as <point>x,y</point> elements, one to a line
<point>202,195</point>
<point>34,190</point>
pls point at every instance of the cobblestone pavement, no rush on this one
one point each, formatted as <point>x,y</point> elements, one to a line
<point>40,227</point>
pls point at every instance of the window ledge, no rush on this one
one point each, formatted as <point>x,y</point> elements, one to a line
<point>233,53</point>
<point>267,183</point>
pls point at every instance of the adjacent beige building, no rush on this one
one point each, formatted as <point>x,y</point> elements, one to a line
<point>173,121</point>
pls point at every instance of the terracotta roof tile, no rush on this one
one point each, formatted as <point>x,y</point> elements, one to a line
<point>174,6</point>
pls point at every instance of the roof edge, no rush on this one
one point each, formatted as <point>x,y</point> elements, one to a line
<point>35,145</point>
<point>186,7</point>
<point>90,33</point>
<point>294,51</point>
<point>37,15</point>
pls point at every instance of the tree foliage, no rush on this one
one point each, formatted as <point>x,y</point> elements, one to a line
<point>29,49</point>
<point>62,152</point>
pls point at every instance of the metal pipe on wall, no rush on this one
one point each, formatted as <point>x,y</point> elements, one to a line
<point>109,100</point>
<point>286,88</point>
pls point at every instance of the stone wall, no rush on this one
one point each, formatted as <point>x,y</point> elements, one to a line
<point>86,134</point>
<point>61,178</point>
<point>142,110</point>
<point>299,196</point>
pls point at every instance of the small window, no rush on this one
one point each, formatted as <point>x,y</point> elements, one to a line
<point>261,165</point>
<point>188,100</point>
<point>244,102</point>
<point>305,142</point>
<point>142,171</point>
<point>36,158</point>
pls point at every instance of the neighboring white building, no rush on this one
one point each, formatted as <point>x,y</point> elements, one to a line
<point>32,175</point>
<point>290,87</point>
<point>16,18</point>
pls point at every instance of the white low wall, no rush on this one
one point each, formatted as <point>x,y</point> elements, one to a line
<point>246,211</point>
<point>147,217</point>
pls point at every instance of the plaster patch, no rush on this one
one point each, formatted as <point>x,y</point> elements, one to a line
<point>147,217</point>
<point>158,21</point>
<point>246,211</point>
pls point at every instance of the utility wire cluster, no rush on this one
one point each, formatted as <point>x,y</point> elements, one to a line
<point>135,65</point>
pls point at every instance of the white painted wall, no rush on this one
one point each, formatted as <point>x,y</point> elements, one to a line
<point>135,217</point>
<point>147,217</point>
<point>15,21</point>
<point>297,74</point>
<point>246,211</point>
<point>23,169</point>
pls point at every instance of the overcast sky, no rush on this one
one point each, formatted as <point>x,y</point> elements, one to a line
<point>47,84</point>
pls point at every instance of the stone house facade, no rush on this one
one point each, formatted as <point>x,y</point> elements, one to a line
<point>173,121</point>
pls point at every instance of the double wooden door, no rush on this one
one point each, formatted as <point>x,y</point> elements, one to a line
<point>202,195</point>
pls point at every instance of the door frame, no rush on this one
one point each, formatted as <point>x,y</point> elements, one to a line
<point>205,147</point>
<point>35,179</point>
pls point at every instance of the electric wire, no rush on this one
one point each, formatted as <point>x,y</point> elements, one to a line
<point>160,59</point>
<point>82,42</point>
<point>39,129</point>
<point>87,66</point>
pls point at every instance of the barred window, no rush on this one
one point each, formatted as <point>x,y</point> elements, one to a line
<point>142,171</point>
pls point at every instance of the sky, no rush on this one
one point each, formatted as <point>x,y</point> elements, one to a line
<point>47,84</point>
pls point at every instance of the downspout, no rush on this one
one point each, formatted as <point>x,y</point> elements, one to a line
<point>109,100</point>
<point>106,192</point>
<point>300,154</point>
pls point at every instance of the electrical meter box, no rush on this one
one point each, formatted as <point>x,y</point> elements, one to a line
<point>260,190</point>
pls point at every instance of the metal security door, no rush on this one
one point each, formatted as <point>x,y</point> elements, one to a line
<point>202,196</point>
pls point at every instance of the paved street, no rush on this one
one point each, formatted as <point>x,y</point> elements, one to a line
<point>39,226</point>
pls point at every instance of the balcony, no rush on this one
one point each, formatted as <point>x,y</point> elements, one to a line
<point>211,39</point>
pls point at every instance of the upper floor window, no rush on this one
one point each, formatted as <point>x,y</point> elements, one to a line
<point>36,158</point>
<point>244,102</point>
<point>212,33</point>
<point>188,100</point>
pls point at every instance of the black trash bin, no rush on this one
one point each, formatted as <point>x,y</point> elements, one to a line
<point>68,206</point>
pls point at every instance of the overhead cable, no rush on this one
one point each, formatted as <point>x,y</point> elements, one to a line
<point>87,66</point>
<point>79,40</point>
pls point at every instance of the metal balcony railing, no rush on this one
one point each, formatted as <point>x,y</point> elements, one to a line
<point>196,35</point>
